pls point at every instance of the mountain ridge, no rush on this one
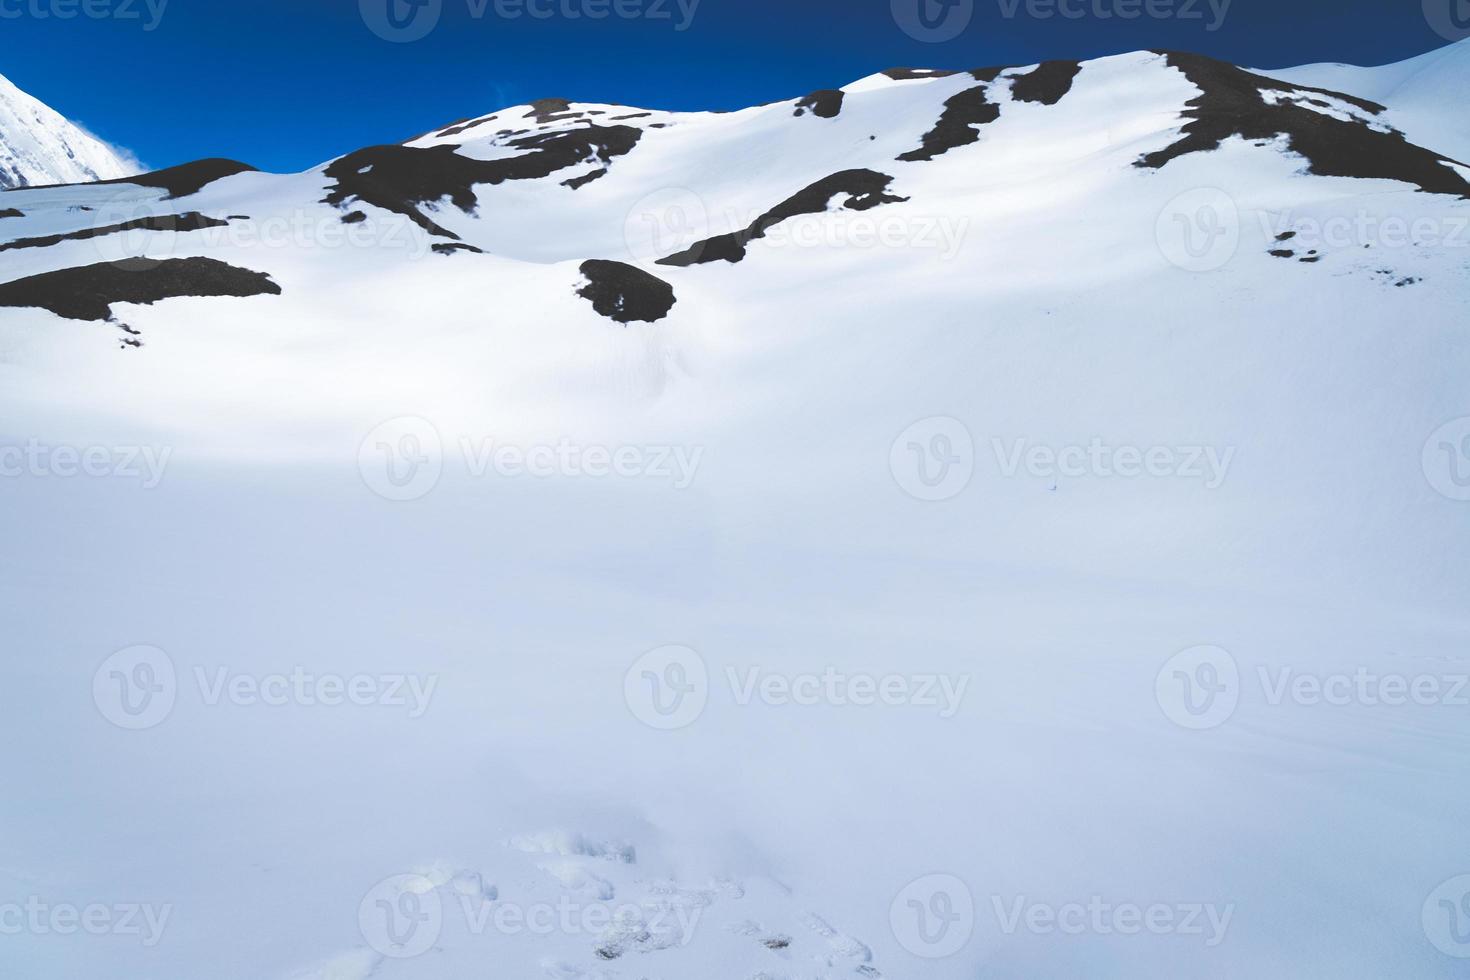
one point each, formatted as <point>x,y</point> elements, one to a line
<point>39,146</point>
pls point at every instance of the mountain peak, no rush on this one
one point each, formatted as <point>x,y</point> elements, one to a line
<point>38,145</point>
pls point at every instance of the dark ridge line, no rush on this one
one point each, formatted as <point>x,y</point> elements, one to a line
<point>455,128</point>
<point>11,213</point>
<point>577,183</point>
<point>909,74</point>
<point>625,293</point>
<point>550,110</point>
<point>401,179</point>
<point>449,248</point>
<point>353,218</point>
<point>192,221</point>
<point>1231,104</point>
<point>636,115</point>
<point>88,292</point>
<point>825,103</point>
<point>865,189</point>
<point>1048,84</point>
<point>182,181</point>
<point>955,127</point>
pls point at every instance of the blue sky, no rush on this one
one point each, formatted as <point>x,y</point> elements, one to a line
<point>287,84</point>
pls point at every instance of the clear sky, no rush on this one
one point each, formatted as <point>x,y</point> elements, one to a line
<point>287,84</point>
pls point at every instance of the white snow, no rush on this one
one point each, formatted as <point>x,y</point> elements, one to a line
<point>40,146</point>
<point>1034,290</point>
<point>1423,94</point>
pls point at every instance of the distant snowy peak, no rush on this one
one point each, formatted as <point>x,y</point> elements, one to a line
<point>634,214</point>
<point>1424,95</point>
<point>39,146</point>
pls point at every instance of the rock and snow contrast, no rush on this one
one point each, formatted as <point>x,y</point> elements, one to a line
<point>40,146</point>
<point>1001,523</point>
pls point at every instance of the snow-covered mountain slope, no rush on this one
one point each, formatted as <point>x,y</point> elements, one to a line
<point>1046,391</point>
<point>1422,94</point>
<point>40,146</point>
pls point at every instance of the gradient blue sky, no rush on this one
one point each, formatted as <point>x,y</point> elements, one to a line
<point>287,84</point>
